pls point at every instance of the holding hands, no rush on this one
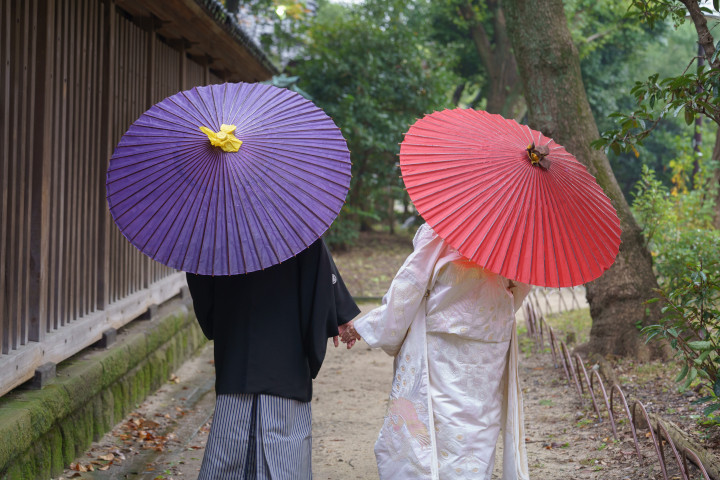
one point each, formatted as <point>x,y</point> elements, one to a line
<point>348,334</point>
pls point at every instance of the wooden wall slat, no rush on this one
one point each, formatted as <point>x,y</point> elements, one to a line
<point>106,110</point>
<point>40,266</point>
<point>36,85</point>
<point>195,73</point>
<point>5,88</point>
<point>82,122</point>
<point>25,170</point>
<point>54,238</point>
<point>62,161</point>
<point>15,177</point>
<point>11,182</point>
<point>95,153</point>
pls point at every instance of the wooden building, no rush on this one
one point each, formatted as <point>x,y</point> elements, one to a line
<point>74,75</point>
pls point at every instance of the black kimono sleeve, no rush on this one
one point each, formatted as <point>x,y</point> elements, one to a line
<point>331,305</point>
<point>345,307</point>
<point>201,291</point>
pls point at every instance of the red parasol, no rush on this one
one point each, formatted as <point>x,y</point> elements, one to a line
<point>509,198</point>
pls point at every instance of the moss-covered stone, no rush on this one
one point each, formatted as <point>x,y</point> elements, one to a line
<point>43,457</point>
<point>97,420</point>
<point>15,472</point>
<point>108,419</point>
<point>68,443</point>
<point>46,406</point>
<point>115,364</point>
<point>57,463</point>
<point>137,350</point>
<point>117,393</point>
<point>43,431</point>
<point>85,418</point>
<point>15,421</point>
<point>170,357</point>
<point>82,380</point>
<point>147,383</point>
<point>159,363</point>
<point>163,331</point>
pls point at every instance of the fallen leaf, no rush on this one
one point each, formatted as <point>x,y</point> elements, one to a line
<point>150,425</point>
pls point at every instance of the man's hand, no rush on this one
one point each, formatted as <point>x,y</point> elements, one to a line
<point>349,344</point>
<point>348,334</point>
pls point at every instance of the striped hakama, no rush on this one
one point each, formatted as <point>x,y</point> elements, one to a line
<point>256,436</point>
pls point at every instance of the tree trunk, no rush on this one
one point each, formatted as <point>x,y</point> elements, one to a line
<point>716,179</point>
<point>557,104</point>
<point>496,56</point>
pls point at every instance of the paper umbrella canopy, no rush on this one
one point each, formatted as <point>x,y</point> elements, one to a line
<point>228,179</point>
<point>509,199</point>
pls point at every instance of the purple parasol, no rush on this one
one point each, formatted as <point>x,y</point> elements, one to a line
<point>192,192</point>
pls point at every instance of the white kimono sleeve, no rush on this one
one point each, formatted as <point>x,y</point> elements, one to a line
<point>519,292</point>
<point>386,326</point>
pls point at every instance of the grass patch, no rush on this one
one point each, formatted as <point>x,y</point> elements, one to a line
<point>573,325</point>
<point>584,422</point>
<point>525,343</point>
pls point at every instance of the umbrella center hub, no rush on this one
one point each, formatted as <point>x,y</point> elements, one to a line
<point>224,138</point>
<point>537,155</point>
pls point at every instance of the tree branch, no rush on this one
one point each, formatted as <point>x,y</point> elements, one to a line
<point>458,93</point>
<point>478,35</point>
<point>598,35</point>
<point>705,38</point>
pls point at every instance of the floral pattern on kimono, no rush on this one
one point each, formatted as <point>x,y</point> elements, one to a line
<point>451,327</point>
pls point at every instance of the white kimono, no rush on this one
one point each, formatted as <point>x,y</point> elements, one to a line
<point>451,327</point>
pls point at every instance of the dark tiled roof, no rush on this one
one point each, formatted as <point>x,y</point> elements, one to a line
<point>227,21</point>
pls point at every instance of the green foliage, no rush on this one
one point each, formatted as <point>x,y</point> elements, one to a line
<point>695,91</point>
<point>615,50</point>
<point>692,94</point>
<point>345,230</point>
<point>372,70</point>
<point>450,23</point>
<point>691,324</point>
<point>651,203</point>
<point>658,11</point>
<point>281,25</point>
<point>608,42</point>
<point>677,224</point>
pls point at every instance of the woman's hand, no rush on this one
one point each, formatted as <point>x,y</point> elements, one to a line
<point>348,334</point>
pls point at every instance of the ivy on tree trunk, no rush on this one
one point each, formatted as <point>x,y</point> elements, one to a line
<point>557,103</point>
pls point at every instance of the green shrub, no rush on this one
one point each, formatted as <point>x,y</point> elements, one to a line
<point>677,224</point>
<point>691,324</point>
<point>678,229</point>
